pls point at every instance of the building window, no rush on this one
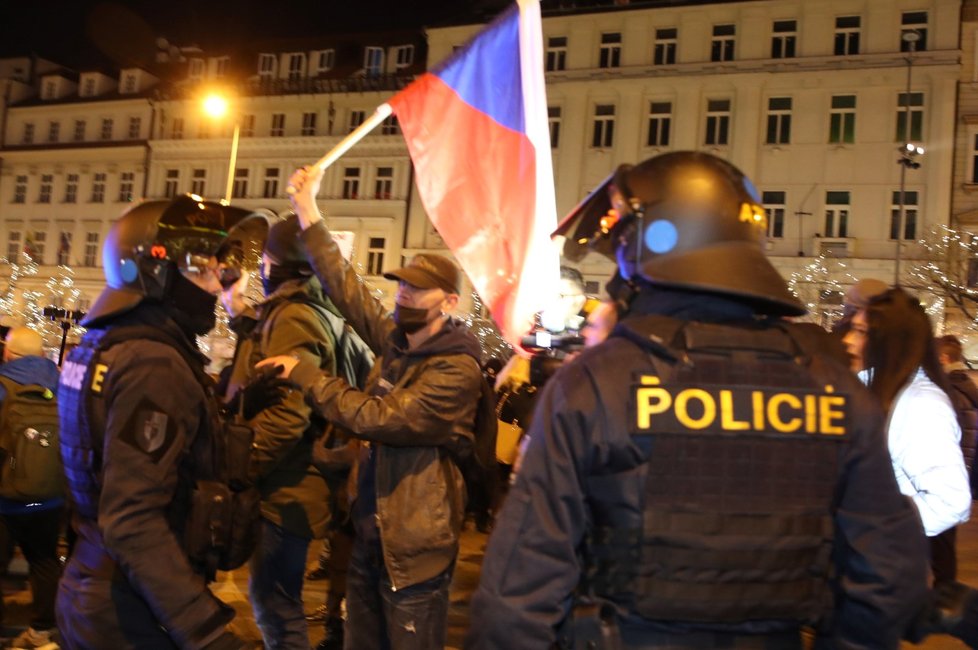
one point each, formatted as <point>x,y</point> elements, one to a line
<point>915,116</point>
<point>603,133</point>
<point>325,61</point>
<point>297,66</point>
<point>308,124</point>
<point>722,45</point>
<point>195,69</point>
<point>240,188</point>
<point>28,133</point>
<point>847,35</point>
<point>717,122</point>
<point>836,214</point>
<point>356,119</point>
<point>20,189</point>
<point>50,90</point>
<point>14,246</point>
<point>36,243</point>
<point>842,119</point>
<point>553,119</point>
<point>44,192</point>
<point>246,127</point>
<point>135,127</point>
<point>403,56</point>
<point>351,182</point>
<point>774,206</point>
<point>660,124</point>
<point>270,189</point>
<point>204,129</point>
<point>128,84</point>
<point>390,126</point>
<point>909,216</point>
<point>106,133</point>
<point>278,125</point>
<point>198,182</point>
<point>64,248</point>
<point>373,61</point>
<point>778,120</point>
<point>375,255</point>
<point>98,187</point>
<point>88,88</point>
<point>556,53</point>
<point>171,184</point>
<point>974,161</point>
<point>914,21</point>
<point>126,182</point>
<point>79,135</point>
<point>664,52</point>
<point>221,66</point>
<point>54,131</point>
<point>784,34</point>
<point>384,187</point>
<point>71,188</point>
<point>176,128</point>
<point>266,65</point>
<point>610,55</point>
<point>91,248</point>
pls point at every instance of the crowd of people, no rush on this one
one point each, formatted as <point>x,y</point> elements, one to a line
<point>694,470</point>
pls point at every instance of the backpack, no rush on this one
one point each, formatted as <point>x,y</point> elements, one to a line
<point>29,441</point>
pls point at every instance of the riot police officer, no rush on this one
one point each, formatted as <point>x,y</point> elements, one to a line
<point>139,426</point>
<point>711,475</point>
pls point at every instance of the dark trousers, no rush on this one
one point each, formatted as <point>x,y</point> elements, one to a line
<point>943,557</point>
<point>275,587</point>
<point>37,536</point>
<point>379,618</point>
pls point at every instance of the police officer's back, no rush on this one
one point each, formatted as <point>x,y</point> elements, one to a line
<point>138,428</point>
<point>710,476</point>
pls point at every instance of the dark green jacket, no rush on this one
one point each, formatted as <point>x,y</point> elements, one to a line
<point>294,493</point>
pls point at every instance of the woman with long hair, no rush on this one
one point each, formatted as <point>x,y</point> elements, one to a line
<point>892,345</point>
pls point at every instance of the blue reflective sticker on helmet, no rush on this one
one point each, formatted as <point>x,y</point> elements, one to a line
<point>128,270</point>
<point>751,190</point>
<point>661,236</point>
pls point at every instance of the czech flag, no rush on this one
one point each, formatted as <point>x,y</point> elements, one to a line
<point>477,131</point>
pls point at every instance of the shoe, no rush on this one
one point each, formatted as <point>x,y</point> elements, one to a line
<point>334,635</point>
<point>318,615</point>
<point>319,573</point>
<point>31,639</point>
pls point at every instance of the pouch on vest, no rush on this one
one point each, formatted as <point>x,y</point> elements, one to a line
<point>29,439</point>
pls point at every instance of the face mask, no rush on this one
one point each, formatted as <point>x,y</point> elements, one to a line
<point>410,319</point>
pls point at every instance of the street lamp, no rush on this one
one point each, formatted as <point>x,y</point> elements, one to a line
<point>217,107</point>
<point>908,152</point>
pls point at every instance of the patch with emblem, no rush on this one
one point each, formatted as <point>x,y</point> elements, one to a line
<point>150,430</point>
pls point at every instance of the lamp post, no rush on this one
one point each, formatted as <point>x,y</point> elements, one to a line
<point>908,152</point>
<point>217,107</point>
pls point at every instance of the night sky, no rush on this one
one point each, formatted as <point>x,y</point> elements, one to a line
<point>68,30</point>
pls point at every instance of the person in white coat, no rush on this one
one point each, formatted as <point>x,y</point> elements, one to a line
<point>892,346</point>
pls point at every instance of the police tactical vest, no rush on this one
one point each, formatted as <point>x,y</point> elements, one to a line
<point>745,451</point>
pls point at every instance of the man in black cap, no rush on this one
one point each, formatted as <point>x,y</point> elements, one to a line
<point>711,475</point>
<point>415,421</point>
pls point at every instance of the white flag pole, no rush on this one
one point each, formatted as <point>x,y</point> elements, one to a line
<point>379,115</point>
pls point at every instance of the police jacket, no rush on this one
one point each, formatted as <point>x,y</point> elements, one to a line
<point>294,493</point>
<point>149,422</point>
<point>587,478</point>
<point>418,411</point>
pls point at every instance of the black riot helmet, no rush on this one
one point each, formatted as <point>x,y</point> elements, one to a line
<point>152,243</point>
<point>687,220</point>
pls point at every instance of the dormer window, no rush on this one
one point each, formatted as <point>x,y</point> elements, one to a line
<point>221,66</point>
<point>403,56</point>
<point>195,69</point>
<point>50,89</point>
<point>129,83</point>
<point>326,59</point>
<point>266,65</point>
<point>373,61</point>
<point>297,66</point>
<point>88,87</point>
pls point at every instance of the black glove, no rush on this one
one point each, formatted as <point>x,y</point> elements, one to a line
<point>264,390</point>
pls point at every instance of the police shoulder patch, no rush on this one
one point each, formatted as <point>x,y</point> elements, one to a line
<point>150,430</point>
<point>658,408</point>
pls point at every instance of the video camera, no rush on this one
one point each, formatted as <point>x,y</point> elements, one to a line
<point>549,352</point>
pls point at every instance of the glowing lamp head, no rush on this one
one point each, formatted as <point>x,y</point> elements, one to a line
<point>215,106</point>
